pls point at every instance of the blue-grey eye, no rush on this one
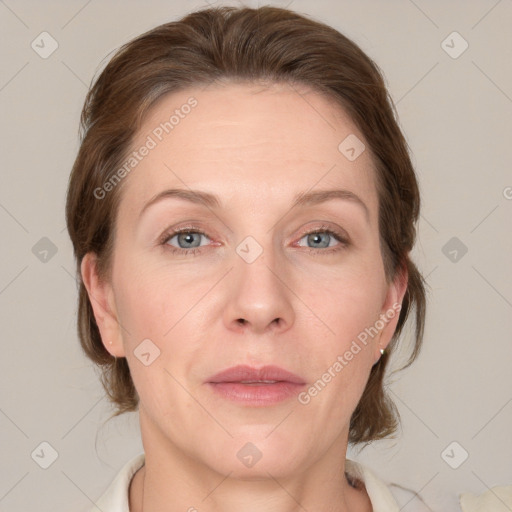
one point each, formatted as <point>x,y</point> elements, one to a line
<point>187,239</point>
<point>316,238</point>
<point>322,239</point>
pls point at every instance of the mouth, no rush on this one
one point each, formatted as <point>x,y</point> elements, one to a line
<point>254,382</point>
<point>249,386</point>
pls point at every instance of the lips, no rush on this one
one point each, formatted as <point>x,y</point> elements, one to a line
<point>256,387</point>
<point>243,374</point>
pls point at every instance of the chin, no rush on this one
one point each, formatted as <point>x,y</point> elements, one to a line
<point>249,457</point>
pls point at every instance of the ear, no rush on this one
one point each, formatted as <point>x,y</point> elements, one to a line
<point>391,308</point>
<point>101,296</point>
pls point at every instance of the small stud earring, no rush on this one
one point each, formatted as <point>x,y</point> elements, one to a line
<point>382,351</point>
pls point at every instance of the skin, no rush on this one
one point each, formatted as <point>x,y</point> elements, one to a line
<point>256,148</point>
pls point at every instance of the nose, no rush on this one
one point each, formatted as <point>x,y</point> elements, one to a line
<point>259,299</point>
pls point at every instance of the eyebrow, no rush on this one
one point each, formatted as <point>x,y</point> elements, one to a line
<point>211,201</point>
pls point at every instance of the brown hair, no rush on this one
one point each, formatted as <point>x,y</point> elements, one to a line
<point>213,45</point>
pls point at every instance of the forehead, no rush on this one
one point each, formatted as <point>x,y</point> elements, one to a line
<point>247,143</point>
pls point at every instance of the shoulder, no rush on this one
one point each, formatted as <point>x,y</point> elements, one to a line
<point>494,498</point>
<point>115,497</point>
<point>385,497</point>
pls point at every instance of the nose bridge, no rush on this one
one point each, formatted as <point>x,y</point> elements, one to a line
<point>259,296</point>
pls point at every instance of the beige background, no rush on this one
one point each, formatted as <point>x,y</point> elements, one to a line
<point>456,114</point>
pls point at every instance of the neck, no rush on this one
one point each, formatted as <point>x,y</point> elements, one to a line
<point>352,496</point>
<point>175,477</point>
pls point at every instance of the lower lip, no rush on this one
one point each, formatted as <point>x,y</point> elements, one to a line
<point>256,394</point>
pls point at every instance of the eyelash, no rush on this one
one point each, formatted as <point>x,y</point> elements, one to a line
<point>194,251</point>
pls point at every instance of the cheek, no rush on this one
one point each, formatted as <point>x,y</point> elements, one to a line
<point>147,298</point>
<point>164,306</point>
<point>152,309</point>
<point>348,299</point>
<point>343,356</point>
<point>349,304</point>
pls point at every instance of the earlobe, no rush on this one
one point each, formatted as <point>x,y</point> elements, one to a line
<point>101,297</point>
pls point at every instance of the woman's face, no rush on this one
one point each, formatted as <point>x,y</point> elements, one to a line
<point>250,282</point>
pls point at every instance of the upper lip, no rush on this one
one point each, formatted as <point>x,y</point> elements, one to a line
<point>244,373</point>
